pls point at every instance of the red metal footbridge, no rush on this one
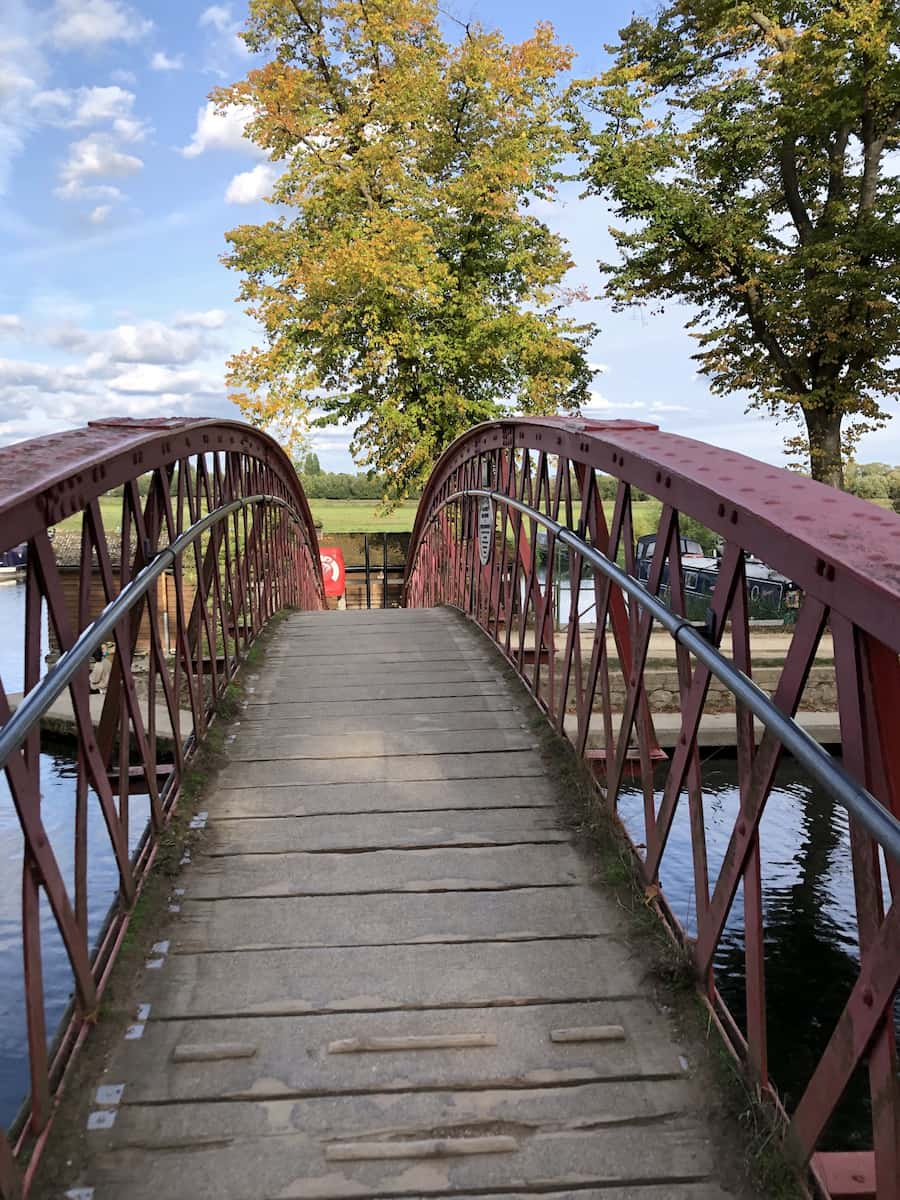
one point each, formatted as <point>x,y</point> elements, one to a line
<point>191,536</point>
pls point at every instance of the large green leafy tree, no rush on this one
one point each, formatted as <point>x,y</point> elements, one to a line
<point>747,148</point>
<point>404,288</point>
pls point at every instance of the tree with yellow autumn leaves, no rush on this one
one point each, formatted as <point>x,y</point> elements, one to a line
<point>403,286</point>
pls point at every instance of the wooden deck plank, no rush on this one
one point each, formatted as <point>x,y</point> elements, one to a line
<point>291,1053</point>
<point>525,914</point>
<point>233,983</point>
<point>447,870</point>
<point>501,764</point>
<point>386,831</point>
<point>417,795</point>
<point>275,1149</point>
<point>253,746</point>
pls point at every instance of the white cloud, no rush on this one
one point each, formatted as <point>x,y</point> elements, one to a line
<point>151,342</point>
<point>212,318</point>
<point>221,131</point>
<point>103,104</point>
<point>182,340</point>
<point>600,403</point>
<point>137,369</point>
<point>22,374</point>
<point>10,323</point>
<point>93,158</point>
<point>74,189</point>
<point>657,407</point>
<point>223,42</point>
<point>161,62</point>
<point>24,413</point>
<point>218,16</point>
<point>13,80</point>
<point>597,368</point>
<point>145,379</point>
<point>77,24</point>
<point>22,72</point>
<point>100,213</point>
<point>250,186</point>
<point>52,105</point>
<point>90,106</point>
<point>130,129</point>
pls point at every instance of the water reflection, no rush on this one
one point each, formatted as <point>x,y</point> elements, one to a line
<point>58,807</point>
<point>809,924</point>
<point>12,634</point>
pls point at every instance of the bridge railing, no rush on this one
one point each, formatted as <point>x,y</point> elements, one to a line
<point>160,548</point>
<point>513,514</point>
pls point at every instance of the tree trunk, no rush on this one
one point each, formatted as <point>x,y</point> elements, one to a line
<point>823,425</point>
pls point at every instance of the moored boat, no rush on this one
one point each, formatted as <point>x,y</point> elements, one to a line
<point>13,562</point>
<point>770,594</point>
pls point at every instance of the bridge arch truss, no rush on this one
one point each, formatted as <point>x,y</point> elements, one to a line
<point>188,537</point>
<point>516,507</point>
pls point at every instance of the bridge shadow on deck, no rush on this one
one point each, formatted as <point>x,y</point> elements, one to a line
<point>391,975</point>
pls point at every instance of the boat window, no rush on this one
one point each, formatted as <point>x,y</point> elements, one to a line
<point>690,580</point>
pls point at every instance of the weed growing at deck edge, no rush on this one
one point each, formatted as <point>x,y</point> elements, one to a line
<point>766,1163</point>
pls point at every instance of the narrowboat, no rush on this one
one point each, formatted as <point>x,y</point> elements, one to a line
<point>771,595</point>
<point>13,561</point>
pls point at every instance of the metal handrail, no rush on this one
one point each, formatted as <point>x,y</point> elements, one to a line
<point>39,699</point>
<point>860,803</point>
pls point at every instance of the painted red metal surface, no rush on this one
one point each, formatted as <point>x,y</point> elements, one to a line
<point>844,556</point>
<point>158,478</point>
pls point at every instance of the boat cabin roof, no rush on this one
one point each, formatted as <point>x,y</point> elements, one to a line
<point>647,544</point>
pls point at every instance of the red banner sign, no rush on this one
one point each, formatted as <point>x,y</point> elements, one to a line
<point>333,570</point>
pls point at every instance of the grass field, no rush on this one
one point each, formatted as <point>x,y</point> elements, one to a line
<point>110,511</point>
<point>337,516</point>
<point>360,516</point>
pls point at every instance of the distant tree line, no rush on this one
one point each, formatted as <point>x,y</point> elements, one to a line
<point>338,485</point>
<point>874,481</point>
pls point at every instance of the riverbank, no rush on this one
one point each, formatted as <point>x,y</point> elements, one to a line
<point>59,719</point>
<point>716,729</point>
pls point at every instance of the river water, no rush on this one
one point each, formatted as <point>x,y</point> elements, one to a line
<point>811,948</point>
<point>810,939</point>
<point>57,810</point>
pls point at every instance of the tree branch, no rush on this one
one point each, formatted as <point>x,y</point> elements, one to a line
<point>337,95</point>
<point>873,148</point>
<point>752,305</point>
<point>836,156</point>
<point>791,186</point>
<point>770,29</point>
<point>376,55</point>
<point>457,124</point>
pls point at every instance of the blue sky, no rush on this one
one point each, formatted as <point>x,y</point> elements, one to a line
<point>116,186</point>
